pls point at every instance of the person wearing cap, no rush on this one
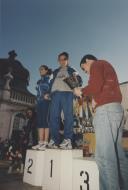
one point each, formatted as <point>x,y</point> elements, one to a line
<point>103,87</point>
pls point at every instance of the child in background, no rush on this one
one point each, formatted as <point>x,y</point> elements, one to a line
<point>43,87</point>
<point>15,157</point>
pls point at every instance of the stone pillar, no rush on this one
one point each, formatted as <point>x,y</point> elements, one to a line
<point>5,119</point>
<point>6,91</point>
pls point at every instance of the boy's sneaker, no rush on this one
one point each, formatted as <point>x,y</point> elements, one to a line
<point>66,144</point>
<point>36,147</point>
<point>44,146</point>
<point>52,144</point>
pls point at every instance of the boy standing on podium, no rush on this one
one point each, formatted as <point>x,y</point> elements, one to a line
<point>62,100</point>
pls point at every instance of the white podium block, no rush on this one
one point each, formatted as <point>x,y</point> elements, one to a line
<point>34,167</point>
<point>85,174</point>
<point>58,168</point>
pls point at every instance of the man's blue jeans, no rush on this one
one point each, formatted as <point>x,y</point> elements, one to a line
<point>61,101</point>
<point>109,155</point>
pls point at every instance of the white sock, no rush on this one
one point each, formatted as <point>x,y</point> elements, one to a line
<point>45,142</point>
<point>41,142</point>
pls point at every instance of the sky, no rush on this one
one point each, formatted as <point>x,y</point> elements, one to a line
<point>39,30</point>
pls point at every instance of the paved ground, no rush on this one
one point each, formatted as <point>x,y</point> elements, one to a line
<point>12,181</point>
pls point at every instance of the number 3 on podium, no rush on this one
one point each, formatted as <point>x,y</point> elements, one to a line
<point>86,181</point>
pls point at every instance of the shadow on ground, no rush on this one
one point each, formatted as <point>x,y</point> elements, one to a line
<point>12,181</point>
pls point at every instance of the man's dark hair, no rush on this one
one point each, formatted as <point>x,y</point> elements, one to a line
<point>64,54</point>
<point>90,57</point>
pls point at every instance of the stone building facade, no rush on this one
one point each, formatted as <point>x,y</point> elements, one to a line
<point>14,95</point>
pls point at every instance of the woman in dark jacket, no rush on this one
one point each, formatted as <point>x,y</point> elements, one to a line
<point>43,102</point>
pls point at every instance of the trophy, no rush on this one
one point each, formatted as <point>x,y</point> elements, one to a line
<point>72,81</point>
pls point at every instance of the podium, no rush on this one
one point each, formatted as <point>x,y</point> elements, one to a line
<point>34,167</point>
<point>58,169</point>
<point>85,174</point>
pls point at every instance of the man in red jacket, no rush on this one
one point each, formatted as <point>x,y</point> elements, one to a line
<point>103,87</point>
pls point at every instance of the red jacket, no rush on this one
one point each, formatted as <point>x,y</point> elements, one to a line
<point>103,84</point>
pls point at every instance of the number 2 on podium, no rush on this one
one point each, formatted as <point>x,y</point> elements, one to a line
<point>30,161</point>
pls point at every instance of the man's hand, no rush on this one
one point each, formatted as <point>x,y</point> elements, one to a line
<point>78,92</point>
<point>46,96</point>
